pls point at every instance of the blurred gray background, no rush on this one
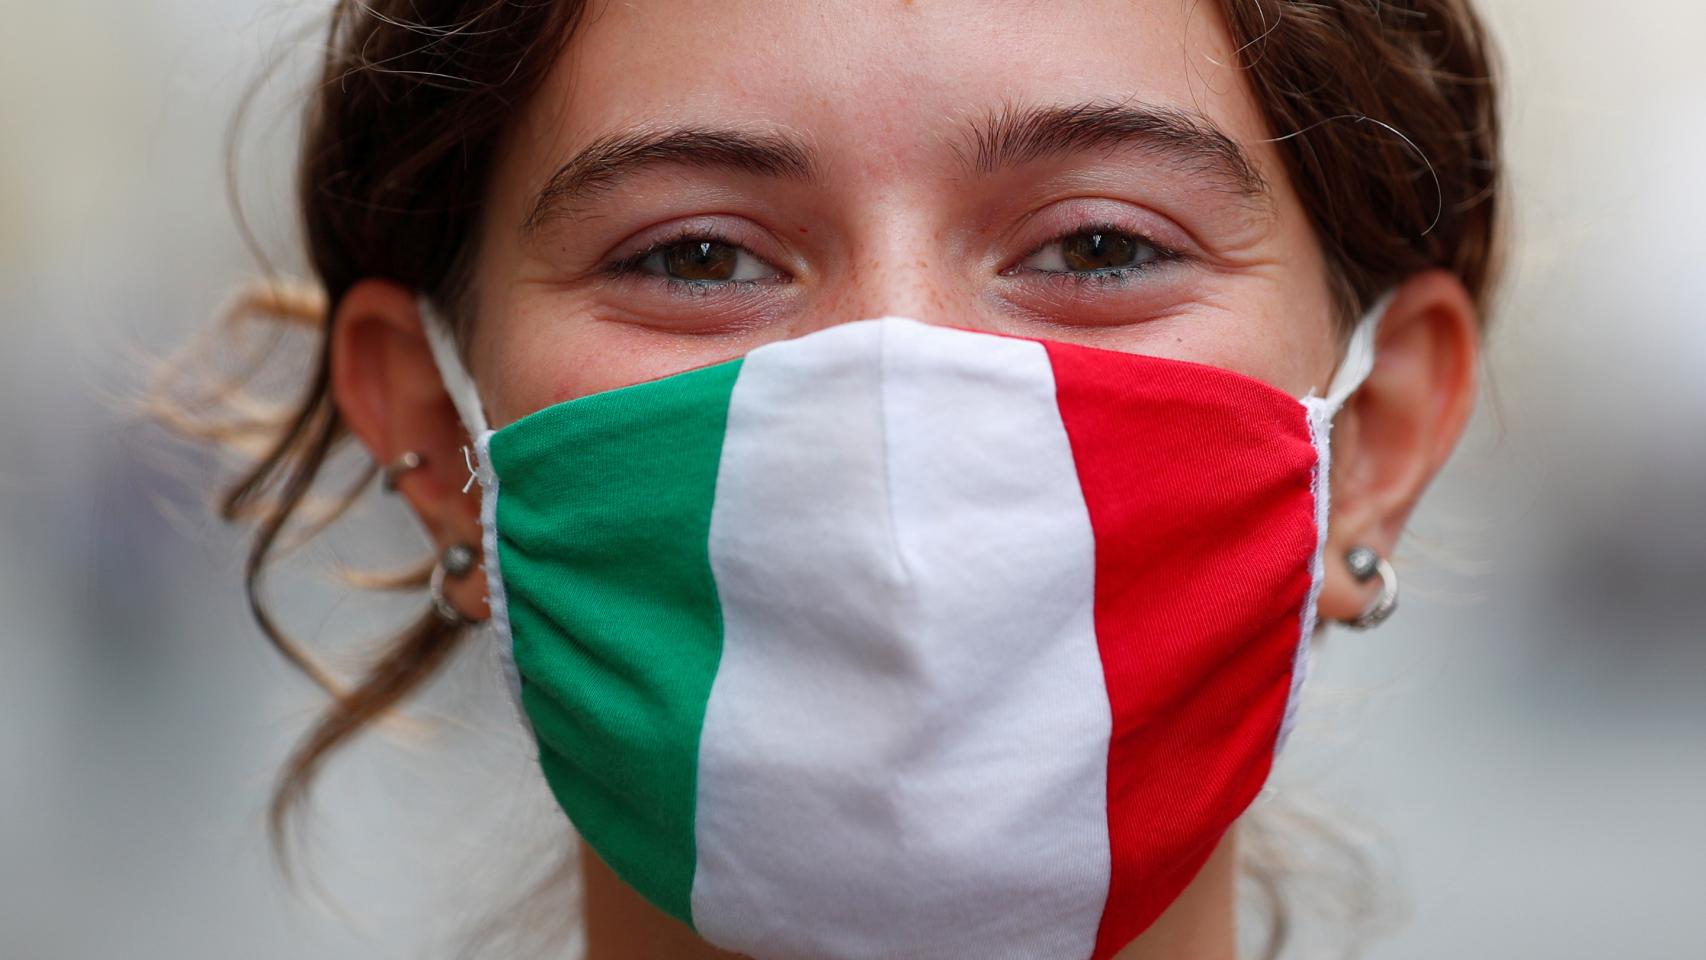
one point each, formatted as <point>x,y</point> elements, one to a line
<point>1521,751</point>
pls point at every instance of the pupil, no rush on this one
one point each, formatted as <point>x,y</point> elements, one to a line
<point>700,260</point>
<point>1100,251</point>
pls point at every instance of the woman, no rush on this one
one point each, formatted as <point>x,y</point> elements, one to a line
<point>1101,251</point>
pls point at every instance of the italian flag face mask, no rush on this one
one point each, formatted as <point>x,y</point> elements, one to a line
<point>907,640</point>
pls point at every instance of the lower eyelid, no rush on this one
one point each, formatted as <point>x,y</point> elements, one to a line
<point>1163,259</point>
<point>1116,277</point>
<point>696,289</point>
<point>710,289</point>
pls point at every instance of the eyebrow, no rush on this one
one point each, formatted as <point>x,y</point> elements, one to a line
<point>1010,137</point>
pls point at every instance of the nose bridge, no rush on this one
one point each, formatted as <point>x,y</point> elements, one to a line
<point>897,264</point>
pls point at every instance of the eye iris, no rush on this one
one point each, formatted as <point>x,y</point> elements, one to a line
<point>700,260</point>
<point>1100,251</point>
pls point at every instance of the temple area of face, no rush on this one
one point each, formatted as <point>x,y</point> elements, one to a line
<point>1011,137</point>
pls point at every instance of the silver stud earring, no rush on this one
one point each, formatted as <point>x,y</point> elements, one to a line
<point>456,561</point>
<point>1365,564</point>
<point>409,460</point>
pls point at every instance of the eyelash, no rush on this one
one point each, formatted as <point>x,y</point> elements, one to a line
<point>631,267</point>
<point>1111,276</point>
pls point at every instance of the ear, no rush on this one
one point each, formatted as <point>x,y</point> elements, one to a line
<point>1393,434</point>
<point>388,390</point>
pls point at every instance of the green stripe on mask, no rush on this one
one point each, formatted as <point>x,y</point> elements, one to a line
<point>603,511</point>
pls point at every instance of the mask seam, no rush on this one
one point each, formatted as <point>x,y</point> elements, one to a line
<point>1319,416</point>
<point>883,414</point>
<point>1319,412</point>
<point>497,597</point>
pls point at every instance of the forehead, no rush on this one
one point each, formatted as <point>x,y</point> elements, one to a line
<point>886,86</point>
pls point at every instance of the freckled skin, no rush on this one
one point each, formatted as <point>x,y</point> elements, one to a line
<point>875,93</point>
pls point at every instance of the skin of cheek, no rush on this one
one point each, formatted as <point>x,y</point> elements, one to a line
<point>874,103</point>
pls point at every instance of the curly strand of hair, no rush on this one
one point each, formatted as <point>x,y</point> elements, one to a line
<point>291,465</point>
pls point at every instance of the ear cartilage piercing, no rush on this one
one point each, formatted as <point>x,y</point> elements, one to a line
<point>410,460</point>
<point>1365,564</point>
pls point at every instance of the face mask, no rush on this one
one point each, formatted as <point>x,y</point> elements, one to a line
<point>905,640</point>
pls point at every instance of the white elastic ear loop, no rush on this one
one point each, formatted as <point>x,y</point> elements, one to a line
<point>1358,361</point>
<point>460,386</point>
<point>457,382</point>
<point>1352,370</point>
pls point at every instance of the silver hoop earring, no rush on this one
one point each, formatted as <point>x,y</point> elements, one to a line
<point>456,561</point>
<point>1365,564</point>
<point>410,460</point>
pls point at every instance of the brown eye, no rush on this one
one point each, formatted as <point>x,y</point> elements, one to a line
<point>1097,252</point>
<point>1103,250</point>
<point>698,263</point>
<point>705,260</point>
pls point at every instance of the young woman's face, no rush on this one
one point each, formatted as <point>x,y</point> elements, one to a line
<point>696,180</point>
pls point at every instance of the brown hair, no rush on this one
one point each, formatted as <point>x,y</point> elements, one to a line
<point>1385,112</point>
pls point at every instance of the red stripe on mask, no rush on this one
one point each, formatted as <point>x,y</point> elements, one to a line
<point>1197,481</point>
